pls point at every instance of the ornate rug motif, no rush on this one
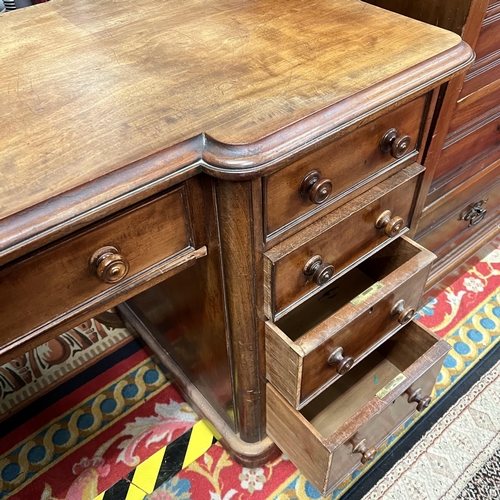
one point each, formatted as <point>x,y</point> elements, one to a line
<point>466,314</point>
<point>454,458</point>
<point>89,435</point>
<point>110,425</point>
<point>485,483</point>
<point>42,368</point>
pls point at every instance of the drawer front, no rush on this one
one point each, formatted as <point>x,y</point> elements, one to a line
<point>485,103</point>
<point>52,282</point>
<point>332,437</point>
<point>301,368</point>
<point>489,37</point>
<point>339,239</point>
<point>463,150</point>
<point>483,73</point>
<point>344,164</point>
<point>454,214</point>
<point>376,431</point>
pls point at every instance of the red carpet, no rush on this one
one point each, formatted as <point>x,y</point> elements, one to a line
<point>91,430</point>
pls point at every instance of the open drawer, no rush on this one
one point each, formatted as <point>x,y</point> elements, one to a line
<point>322,339</point>
<point>343,426</point>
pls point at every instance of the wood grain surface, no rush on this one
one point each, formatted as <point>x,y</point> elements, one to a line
<point>349,162</point>
<point>341,238</point>
<point>88,88</point>
<point>344,315</point>
<point>353,408</point>
<point>55,283</point>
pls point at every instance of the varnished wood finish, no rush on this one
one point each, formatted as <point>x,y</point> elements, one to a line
<point>464,147</point>
<point>353,313</point>
<point>483,103</point>
<point>488,41</point>
<point>486,69</point>
<point>59,282</point>
<point>247,454</point>
<point>106,107</point>
<point>461,250</point>
<point>239,214</point>
<point>215,74</point>
<point>320,438</point>
<point>350,161</point>
<point>438,13</point>
<point>188,310</point>
<point>485,186</point>
<point>451,232</point>
<point>340,238</point>
<point>467,146</point>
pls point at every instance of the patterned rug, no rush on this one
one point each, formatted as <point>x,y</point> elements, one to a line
<point>40,370</point>
<point>459,457</point>
<point>114,428</point>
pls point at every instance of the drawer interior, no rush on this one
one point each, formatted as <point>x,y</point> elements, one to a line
<point>355,285</point>
<point>333,407</point>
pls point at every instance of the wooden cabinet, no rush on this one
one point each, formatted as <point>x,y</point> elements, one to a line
<point>343,426</point>
<point>299,266</point>
<point>97,265</point>
<point>460,200</point>
<point>242,175</point>
<point>314,345</point>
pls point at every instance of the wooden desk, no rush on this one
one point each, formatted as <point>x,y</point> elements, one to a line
<point>188,156</point>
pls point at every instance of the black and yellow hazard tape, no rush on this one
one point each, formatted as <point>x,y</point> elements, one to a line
<point>163,465</point>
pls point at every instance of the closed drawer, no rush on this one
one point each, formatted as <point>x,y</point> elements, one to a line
<point>315,344</point>
<point>454,213</point>
<point>345,164</point>
<point>486,68</point>
<point>483,103</point>
<point>41,290</point>
<point>339,239</point>
<point>342,427</point>
<point>463,150</point>
<point>489,37</point>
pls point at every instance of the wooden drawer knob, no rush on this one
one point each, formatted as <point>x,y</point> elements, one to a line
<point>398,145</point>
<point>415,396</point>
<point>405,314</point>
<point>316,188</point>
<point>342,363</point>
<point>320,271</point>
<point>109,265</point>
<point>392,225</point>
<point>367,454</point>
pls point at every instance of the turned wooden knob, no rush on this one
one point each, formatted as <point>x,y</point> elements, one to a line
<point>415,396</point>
<point>320,271</point>
<point>405,314</point>
<point>109,265</point>
<point>398,145</point>
<point>367,454</point>
<point>392,225</point>
<point>316,188</point>
<point>342,363</point>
